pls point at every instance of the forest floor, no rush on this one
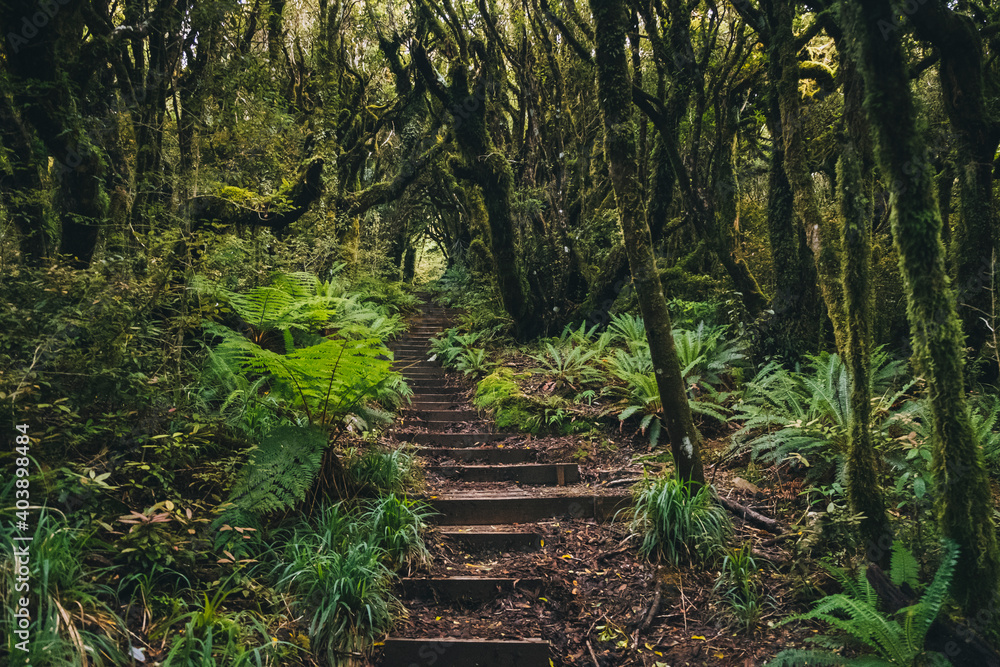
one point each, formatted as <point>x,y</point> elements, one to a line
<point>584,587</point>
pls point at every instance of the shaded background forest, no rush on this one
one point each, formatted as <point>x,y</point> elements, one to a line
<point>157,159</point>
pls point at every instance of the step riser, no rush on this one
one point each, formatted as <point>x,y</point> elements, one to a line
<point>542,474</point>
<point>467,589</point>
<point>496,541</point>
<point>480,511</point>
<point>447,652</point>
<point>442,415</point>
<point>481,454</point>
<point>435,424</point>
<point>431,406</point>
<point>457,439</point>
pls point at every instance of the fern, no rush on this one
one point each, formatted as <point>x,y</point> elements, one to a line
<point>896,640</point>
<point>704,356</point>
<point>328,380</point>
<point>629,329</point>
<point>804,414</point>
<point>280,471</point>
<point>568,367</point>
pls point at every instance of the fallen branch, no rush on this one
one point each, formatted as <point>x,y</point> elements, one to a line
<point>654,608</point>
<point>750,516</point>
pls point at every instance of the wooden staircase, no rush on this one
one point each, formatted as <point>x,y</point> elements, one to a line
<point>463,449</point>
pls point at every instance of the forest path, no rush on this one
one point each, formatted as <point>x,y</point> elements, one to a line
<point>501,591</point>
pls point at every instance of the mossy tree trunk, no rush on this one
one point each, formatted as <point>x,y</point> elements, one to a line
<point>963,493</point>
<point>619,144</point>
<point>796,301</point>
<point>854,190</point>
<point>971,108</point>
<point>482,163</point>
<point>822,235</point>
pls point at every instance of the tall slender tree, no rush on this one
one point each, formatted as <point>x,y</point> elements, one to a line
<point>615,92</point>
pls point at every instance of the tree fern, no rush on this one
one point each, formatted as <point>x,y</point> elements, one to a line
<point>327,380</point>
<point>280,470</point>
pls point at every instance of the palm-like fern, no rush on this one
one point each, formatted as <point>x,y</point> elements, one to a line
<point>705,356</point>
<point>569,367</point>
<point>629,329</point>
<point>804,414</point>
<point>896,639</point>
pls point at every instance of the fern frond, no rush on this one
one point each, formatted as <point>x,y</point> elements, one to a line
<point>280,470</point>
<point>903,567</point>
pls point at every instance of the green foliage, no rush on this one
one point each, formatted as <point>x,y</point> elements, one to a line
<point>328,381</point>
<point>896,639</point>
<point>387,471</point>
<point>705,357</point>
<point>803,415</point>
<point>280,471</point>
<point>568,367</point>
<point>496,389</point>
<point>679,521</point>
<point>738,584</point>
<point>71,623</point>
<point>629,330</point>
<point>452,346</point>
<point>211,637</point>
<point>345,593</point>
<point>473,361</point>
<point>394,524</point>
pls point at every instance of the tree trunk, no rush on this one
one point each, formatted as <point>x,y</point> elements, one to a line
<point>963,492</point>
<point>619,145</point>
<point>862,463</point>
<point>822,237</point>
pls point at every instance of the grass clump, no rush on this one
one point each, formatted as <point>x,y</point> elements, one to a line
<point>394,524</point>
<point>679,521</point>
<point>383,470</point>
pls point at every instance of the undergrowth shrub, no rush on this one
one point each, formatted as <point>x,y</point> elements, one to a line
<point>386,471</point>
<point>886,639</point>
<point>569,367</point>
<point>679,521</point>
<point>738,585</point>
<point>394,524</point>
<point>803,415</point>
<point>71,622</point>
<point>344,593</point>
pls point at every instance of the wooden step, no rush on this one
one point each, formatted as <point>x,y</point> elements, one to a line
<point>480,509</point>
<point>441,415</point>
<point>432,405</point>
<point>550,474</point>
<point>472,538</point>
<point>406,365</point>
<point>481,454</point>
<point>457,439</point>
<point>436,424</point>
<point>450,652</point>
<point>430,383</point>
<point>467,589</point>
